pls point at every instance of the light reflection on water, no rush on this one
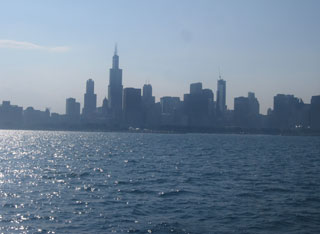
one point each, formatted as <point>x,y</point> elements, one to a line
<point>62,182</point>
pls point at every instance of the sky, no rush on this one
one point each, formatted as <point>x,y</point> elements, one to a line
<point>48,49</point>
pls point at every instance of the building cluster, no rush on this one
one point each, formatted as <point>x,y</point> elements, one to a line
<point>127,108</point>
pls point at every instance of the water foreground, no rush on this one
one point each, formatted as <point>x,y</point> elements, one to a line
<point>76,182</point>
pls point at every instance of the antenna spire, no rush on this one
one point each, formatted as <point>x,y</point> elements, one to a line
<point>116,49</point>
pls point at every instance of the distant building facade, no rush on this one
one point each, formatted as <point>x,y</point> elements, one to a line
<point>196,88</point>
<point>171,109</point>
<point>132,108</point>
<point>147,91</point>
<point>11,116</point>
<point>289,112</point>
<point>90,101</point>
<point>72,110</point>
<point>36,118</point>
<point>198,106</point>
<point>221,96</point>
<point>150,112</point>
<point>169,104</point>
<point>315,112</point>
<point>246,111</point>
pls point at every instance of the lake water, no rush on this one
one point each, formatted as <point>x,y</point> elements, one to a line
<point>76,182</point>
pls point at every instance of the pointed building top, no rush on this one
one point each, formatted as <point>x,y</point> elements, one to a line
<point>116,49</point>
<point>115,58</point>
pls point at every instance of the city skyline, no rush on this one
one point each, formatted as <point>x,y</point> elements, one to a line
<point>131,108</point>
<point>43,62</point>
<point>115,76</point>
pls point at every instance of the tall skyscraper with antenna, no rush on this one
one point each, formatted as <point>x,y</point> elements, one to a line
<point>115,88</point>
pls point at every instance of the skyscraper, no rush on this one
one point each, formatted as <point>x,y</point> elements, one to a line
<point>196,88</point>
<point>150,111</point>
<point>132,107</point>
<point>246,111</point>
<point>10,115</point>
<point>90,100</point>
<point>221,96</point>
<point>147,91</point>
<point>197,105</point>
<point>315,112</point>
<point>72,110</point>
<point>169,104</point>
<point>115,88</point>
<point>147,98</point>
<point>286,111</point>
<point>254,104</point>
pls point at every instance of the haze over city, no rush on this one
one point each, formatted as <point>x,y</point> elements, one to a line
<point>50,48</point>
<point>160,116</point>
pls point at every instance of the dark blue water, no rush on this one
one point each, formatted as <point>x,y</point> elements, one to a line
<point>71,182</point>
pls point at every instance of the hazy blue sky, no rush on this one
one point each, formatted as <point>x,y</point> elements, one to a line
<point>48,49</point>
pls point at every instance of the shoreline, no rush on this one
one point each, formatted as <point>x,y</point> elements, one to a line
<point>176,130</point>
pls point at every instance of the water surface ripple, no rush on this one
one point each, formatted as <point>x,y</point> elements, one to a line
<point>76,182</point>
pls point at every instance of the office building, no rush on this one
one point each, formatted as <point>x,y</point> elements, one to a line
<point>72,110</point>
<point>90,100</point>
<point>315,112</point>
<point>246,111</point>
<point>115,88</point>
<point>132,108</point>
<point>286,111</point>
<point>197,105</point>
<point>169,104</point>
<point>10,115</point>
<point>147,99</point>
<point>196,88</point>
<point>221,96</point>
